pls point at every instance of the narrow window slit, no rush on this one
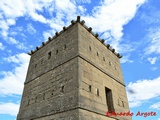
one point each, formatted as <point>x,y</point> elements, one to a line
<point>62,89</point>
<point>90,48</point>
<point>49,55</point>
<point>103,59</point>
<point>43,96</point>
<point>65,47</point>
<point>35,99</point>
<point>89,88</point>
<point>122,104</point>
<point>42,61</point>
<point>56,52</point>
<point>97,90</point>
<point>28,101</point>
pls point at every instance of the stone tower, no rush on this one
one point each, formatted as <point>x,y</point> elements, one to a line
<point>74,76</point>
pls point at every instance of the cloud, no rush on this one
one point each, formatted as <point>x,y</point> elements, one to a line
<point>152,60</point>
<point>1,46</point>
<point>125,59</point>
<point>12,81</point>
<point>28,8</point>
<point>122,12</point>
<point>36,11</point>
<point>113,14</point>
<point>81,1</point>
<point>19,45</point>
<point>9,108</point>
<point>30,29</point>
<point>47,34</point>
<point>12,41</point>
<point>154,68</point>
<point>154,41</point>
<point>143,90</point>
<point>134,104</point>
<point>152,16</point>
<point>156,106</point>
<point>81,9</point>
<point>9,14</point>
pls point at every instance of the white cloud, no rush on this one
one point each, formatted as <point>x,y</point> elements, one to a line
<point>12,41</point>
<point>9,108</point>
<point>37,17</point>
<point>56,24</point>
<point>12,81</point>
<point>10,13</point>
<point>47,34</point>
<point>35,10</point>
<point>64,6</point>
<point>113,16</point>
<point>125,59</point>
<point>134,104</point>
<point>156,106</point>
<point>1,46</point>
<point>19,45</point>
<point>18,58</point>
<point>31,29</point>
<point>154,41</point>
<point>143,90</point>
<point>154,68</point>
<point>81,8</point>
<point>152,60</point>
<point>81,1</point>
<point>25,8</point>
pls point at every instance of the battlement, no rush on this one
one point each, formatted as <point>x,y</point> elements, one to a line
<point>108,46</point>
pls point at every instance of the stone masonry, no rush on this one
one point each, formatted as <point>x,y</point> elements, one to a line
<point>74,76</point>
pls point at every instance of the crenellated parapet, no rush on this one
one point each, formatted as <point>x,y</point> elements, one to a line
<point>89,29</point>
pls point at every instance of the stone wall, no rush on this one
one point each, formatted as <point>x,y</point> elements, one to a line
<point>53,92</point>
<point>99,69</point>
<point>92,83</point>
<point>58,51</point>
<point>51,85</point>
<point>95,52</point>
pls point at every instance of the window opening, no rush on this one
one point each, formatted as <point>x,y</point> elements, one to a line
<point>56,52</point>
<point>109,100</point>
<point>104,59</point>
<point>35,99</point>
<point>122,103</point>
<point>89,88</point>
<point>49,55</point>
<point>35,65</point>
<point>62,89</point>
<point>65,47</point>
<point>97,90</point>
<point>28,101</point>
<point>43,96</point>
<point>97,54</point>
<point>90,48</point>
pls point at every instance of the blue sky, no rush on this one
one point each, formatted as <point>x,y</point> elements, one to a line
<point>131,27</point>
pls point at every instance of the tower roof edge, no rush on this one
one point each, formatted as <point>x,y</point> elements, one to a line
<point>87,28</point>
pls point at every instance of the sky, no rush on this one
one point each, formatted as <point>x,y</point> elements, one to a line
<point>132,27</point>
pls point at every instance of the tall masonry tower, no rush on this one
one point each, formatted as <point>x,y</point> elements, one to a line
<point>74,76</point>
